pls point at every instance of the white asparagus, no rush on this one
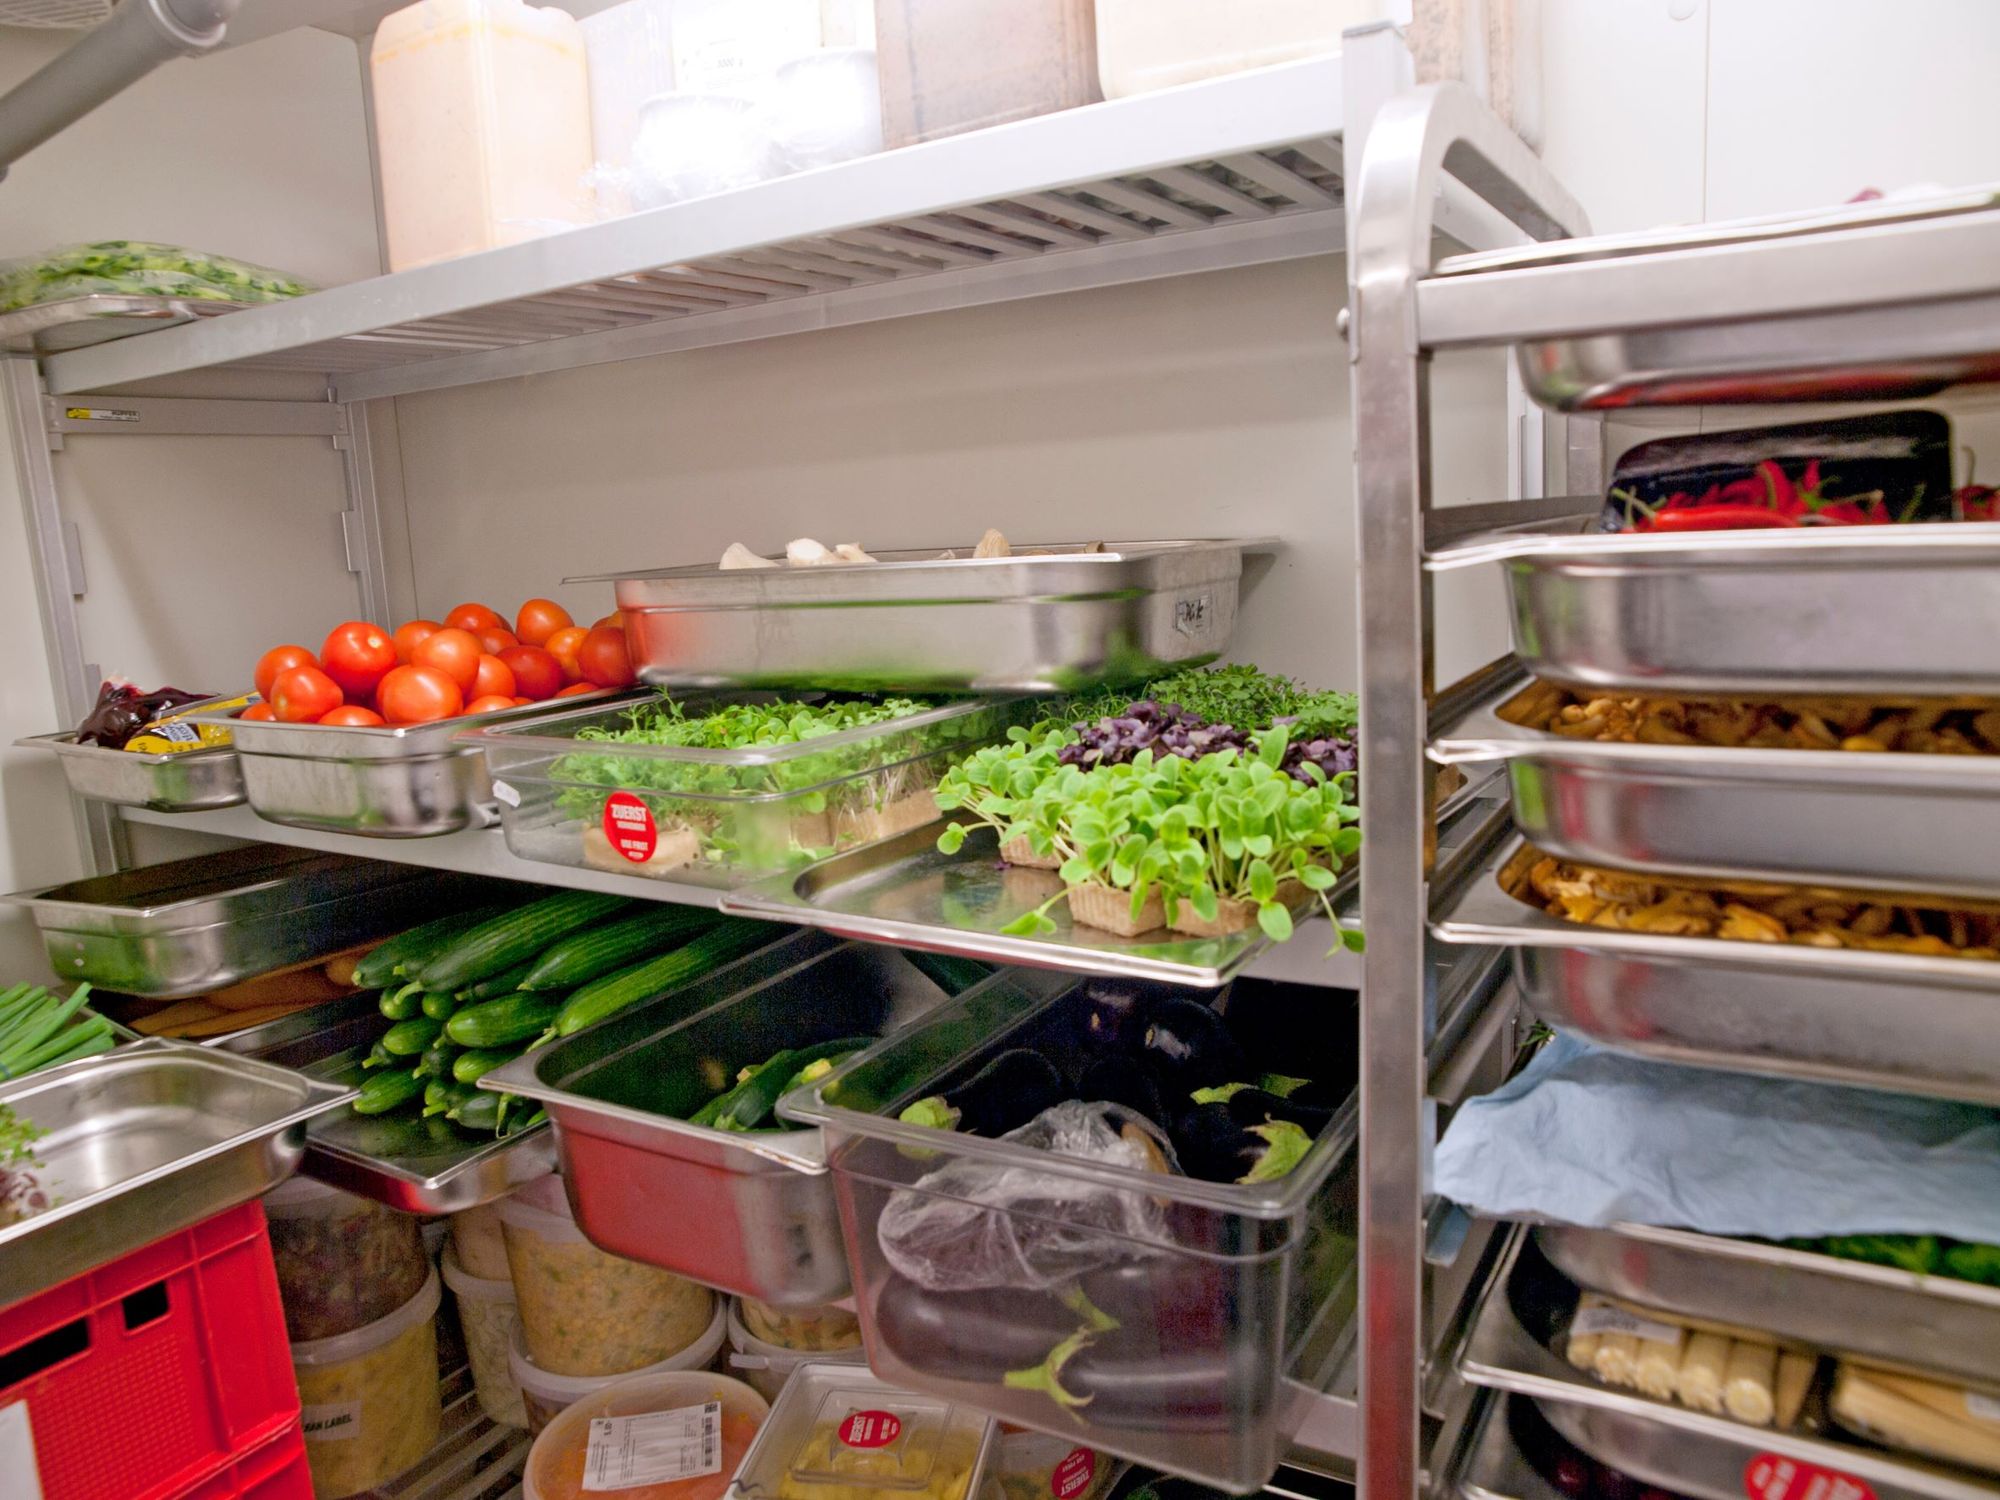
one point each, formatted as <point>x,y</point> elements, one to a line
<point>1748,1383</point>
<point>1658,1368</point>
<point>1862,1402</point>
<point>1698,1382</point>
<point>1795,1374</point>
<point>1617,1359</point>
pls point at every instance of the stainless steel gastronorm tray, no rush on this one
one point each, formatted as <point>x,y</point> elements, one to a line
<point>1892,822</point>
<point>194,925</point>
<point>1050,618</point>
<point>1492,1465</point>
<point>146,1140</point>
<point>1659,1442</point>
<point>1902,1021</point>
<point>167,781</point>
<point>1877,1313</point>
<point>1884,612</point>
<point>764,1201</point>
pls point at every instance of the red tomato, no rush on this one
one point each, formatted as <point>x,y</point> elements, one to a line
<point>258,711</point>
<point>492,678</point>
<point>418,695</point>
<point>521,702</point>
<point>453,652</point>
<point>539,619</point>
<point>353,716</point>
<point>604,659</point>
<point>613,621</point>
<point>356,655</point>
<point>407,636</point>
<point>490,703</point>
<point>577,689</point>
<point>474,617</point>
<point>493,642</point>
<point>537,674</point>
<point>563,646</point>
<point>301,695</point>
<point>280,659</point>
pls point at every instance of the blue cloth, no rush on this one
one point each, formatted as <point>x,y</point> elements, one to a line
<point>1587,1136</point>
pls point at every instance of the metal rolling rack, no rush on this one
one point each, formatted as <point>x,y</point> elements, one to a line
<point>1860,305</point>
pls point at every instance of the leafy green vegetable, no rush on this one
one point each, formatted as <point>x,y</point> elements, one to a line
<point>139,268</point>
<point>1973,1263</point>
<point>1242,696</point>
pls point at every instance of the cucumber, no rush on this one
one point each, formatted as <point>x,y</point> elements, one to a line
<point>656,976</point>
<point>401,1003</point>
<point>482,1111</point>
<point>754,1099</point>
<point>408,1038</point>
<point>392,958</point>
<point>493,987</point>
<point>386,1091</point>
<point>440,1095</point>
<point>470,1067</point>
<point>438,1007</point>
<point>836,1051</point>
<point>438,1057</point>
<point>502,1023</point>
<point>513,937</point>
<point>599,950</point>
<point>378,1055</point>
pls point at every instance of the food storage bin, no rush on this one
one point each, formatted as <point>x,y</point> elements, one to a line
<point>952,65</point>
<point>1042,1466</point>
<point>825,107</point>
<point>723,817</point>
<point>690,145</point>
<point>342,1261</point>
<point>1155,44</point>
<point>369,1399</point>
<point>829,1326</point>
<point>766,1366</point>
<point>487,1319</point>
<point>544,1395</point>
<point>556,1464</point>
<point>479,1243</point>
<point>1220,1290</point>
<point>584,1312</point>
<point>840,1431</point>
<point>630,57</point>
<point>482,126</point>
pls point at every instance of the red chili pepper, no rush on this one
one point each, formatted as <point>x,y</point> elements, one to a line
<point>1717,518</point>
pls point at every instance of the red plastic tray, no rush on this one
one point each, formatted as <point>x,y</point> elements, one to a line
<point>276,1471</point>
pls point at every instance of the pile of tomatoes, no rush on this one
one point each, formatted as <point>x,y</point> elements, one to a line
<point>468,663</point>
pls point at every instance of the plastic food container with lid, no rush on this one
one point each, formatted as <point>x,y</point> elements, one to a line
<point>839,1433</point>
<point>584,1312</point>
<point>1042,1466</point>
<point>829,1326</point>
<point>479,1243</point>
<point>487,1319</point>
<point>953,65</point>
<point>343,1261</point>
<point>700,1448</point>
<point>545,1395</point>
<point>766,1366</point>
<point>1156,44</point>
<point>369,1399</point>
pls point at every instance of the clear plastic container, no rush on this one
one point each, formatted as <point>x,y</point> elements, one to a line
<point>725,817</point>
<point>730,47</point>
<point>1155,44</point>
<point>767,1366</point>
<point>555,1468</point>
<point>691,145</point>
<point>544,1395</point>
<point>829,1326</point>
<point>482,127</point>
<point>369,1399</point>
<point>1220,1290</point>
<point>953,65</point>
<point>477,1241</point>
<point>342,1261</point>
<point>487,1318</point>
<point>839,1433</point>
<point>630,51</point>
<point>825,107</point>
<point>1042,1466</point>
<point>584,1312</point>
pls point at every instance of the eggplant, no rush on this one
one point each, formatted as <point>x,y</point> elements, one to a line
<point>1091,1376</point>
<point>973,1335</point>
<point>1189,1047</point>
<point>1126,1081</point>
<point>1214,1145</point>
<point>1174,1303</point>
<point>1004,1095</point>
<point>1114,1017</point>
<point>1254,1106</point>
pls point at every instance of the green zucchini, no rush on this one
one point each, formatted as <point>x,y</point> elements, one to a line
<point>494,986</point>
<point>408,1038</point>
<point>402,1002</point>
<point>388,960</point>
<point>503,1023</point>
<point>471,1066</point>
<point>386,1091</point>
<point>751,1108</point>
<point>437,1007</point>
<point>483,1111</point>
<point>513,937</point>
<point>599,950</point>
<point>657,976</point>
<point>837,1051</point>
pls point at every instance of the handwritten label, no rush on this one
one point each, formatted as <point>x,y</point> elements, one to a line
<point>1604,1319</point>
<point>629,825</point>
<point>657,1447</point>
<point>870,1429</point>
<point>1194,616</point>
<point>1772,1476</point>
<point>331,1421</point>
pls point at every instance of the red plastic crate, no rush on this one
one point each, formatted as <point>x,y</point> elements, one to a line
<point>276,1471</point>
<point>148,1376</point>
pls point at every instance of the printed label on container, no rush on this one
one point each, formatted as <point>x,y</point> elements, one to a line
<point>1602,1319</point>
<point>101,414</point>
<point>503,792</point>
<point>628,824</point>
<point>871,1429</point>
<point>1073,1475</point>
<point>17,1453</point>
<point>1772,1476</point>
<point>1982,1406</point>
<point>656,1448</point>
<point>331,1421</point>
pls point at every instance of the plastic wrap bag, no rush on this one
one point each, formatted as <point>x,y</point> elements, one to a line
<point>139,268</point>
<point>1592,1137</point>
<point>977,1224</point>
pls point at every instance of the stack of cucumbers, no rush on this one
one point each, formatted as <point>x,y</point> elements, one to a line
<point>472,991</point>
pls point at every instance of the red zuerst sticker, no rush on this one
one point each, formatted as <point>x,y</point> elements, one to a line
<point>1772,1476</point>
<point>628,824</point>
<point>871,1429</point>
<point>1073,1475</point>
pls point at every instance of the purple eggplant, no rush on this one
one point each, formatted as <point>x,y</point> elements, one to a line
<point>1126,1081</point>
<point>1190,1047</point>
<point>976,1335</point>
<point>1004,1095</point>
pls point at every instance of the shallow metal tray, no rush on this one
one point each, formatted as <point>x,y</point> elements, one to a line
<point>97,318</point>
<point>1901,1021</point>
<point>1877,1313</point>
<point>1689,1452</point>
<point>168,781</point>
<point>1928,824</point>
<point>146,1140</point>
<point>1493,1467</point>
<point>194,925</point>
<point>1050,618</point>
<point>1883,612</point>
<point>764,1201</point>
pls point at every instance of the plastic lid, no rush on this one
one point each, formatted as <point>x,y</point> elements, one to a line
<point>464,1284</point>
<point>371,1336</point>
<point>564,1389</point>
<point>630,1396</point>
<point>839,1424</point>
<point>753,1353</point>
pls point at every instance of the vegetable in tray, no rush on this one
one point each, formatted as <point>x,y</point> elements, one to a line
<point>139,268</point>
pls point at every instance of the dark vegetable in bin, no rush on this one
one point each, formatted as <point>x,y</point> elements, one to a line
<point>1004,1095</point>
<point>1109,1387</point>
<point>1190,1047</point>
<point>1114,1015</point>
<point>1253,1107</point>
<point>1214,1145</point>
<point>1126,1081</point>
<point>975,1335</point>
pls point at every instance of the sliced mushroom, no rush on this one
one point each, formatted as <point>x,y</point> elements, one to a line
<point>740,556</point>
<point>993,544</point>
